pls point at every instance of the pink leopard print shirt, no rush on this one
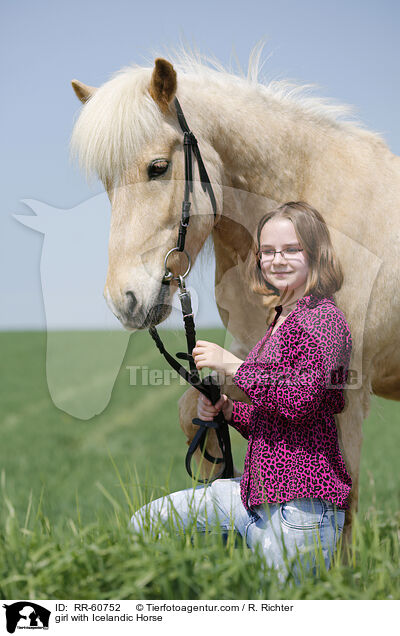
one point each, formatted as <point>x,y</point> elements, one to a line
<point>296,385</point>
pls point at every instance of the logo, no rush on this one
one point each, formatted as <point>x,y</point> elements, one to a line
<point>26,615</point>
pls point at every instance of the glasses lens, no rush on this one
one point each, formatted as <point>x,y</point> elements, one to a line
<point>291,252</point>
<point>267,255</point>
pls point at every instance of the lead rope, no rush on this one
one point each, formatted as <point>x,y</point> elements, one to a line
<point>208,387</point>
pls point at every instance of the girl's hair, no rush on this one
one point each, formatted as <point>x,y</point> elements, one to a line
<point>325,275</point>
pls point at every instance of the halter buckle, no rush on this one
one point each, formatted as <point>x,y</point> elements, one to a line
<point>189,139</point>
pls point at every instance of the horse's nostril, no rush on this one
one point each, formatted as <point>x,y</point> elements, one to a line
<point>132,302</point>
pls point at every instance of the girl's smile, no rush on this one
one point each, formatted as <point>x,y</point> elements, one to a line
<point>281,273</point>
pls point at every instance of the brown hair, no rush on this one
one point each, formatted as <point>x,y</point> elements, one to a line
<point>325,275</point>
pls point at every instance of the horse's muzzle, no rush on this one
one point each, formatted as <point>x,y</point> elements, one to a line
<point>136,316</point>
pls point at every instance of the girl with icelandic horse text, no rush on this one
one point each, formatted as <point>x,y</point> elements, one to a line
<point>294,490</point>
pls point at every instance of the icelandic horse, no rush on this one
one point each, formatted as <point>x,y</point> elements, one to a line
<point>262,145</point>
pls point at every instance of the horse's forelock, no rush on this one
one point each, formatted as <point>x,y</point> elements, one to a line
<point>115,124</point>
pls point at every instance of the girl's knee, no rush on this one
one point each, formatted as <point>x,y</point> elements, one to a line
<point>140,519</point>
<point>167,512</point>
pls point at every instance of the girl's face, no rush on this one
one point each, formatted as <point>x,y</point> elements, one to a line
<point>281,272</point>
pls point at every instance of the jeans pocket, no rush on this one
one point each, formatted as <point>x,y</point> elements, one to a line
<point>302,514</point>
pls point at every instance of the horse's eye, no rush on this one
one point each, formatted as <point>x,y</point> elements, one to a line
<point>157,167</point>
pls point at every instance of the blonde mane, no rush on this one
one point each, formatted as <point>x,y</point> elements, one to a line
<point>121,117</point>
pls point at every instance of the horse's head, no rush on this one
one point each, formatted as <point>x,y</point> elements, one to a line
<point>128,134</point>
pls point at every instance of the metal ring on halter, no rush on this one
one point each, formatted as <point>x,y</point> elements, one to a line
<point>168,274</point>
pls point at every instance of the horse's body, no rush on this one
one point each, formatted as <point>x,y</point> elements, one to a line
<point>261,145</point>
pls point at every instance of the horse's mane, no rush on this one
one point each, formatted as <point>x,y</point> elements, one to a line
<point>121,117</point>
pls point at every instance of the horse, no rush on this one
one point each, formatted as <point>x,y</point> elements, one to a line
<point>262,144</point>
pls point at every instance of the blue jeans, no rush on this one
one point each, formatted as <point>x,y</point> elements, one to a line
<point>285,533</point>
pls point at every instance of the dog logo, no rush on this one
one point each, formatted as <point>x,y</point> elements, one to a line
<point>26,615</point>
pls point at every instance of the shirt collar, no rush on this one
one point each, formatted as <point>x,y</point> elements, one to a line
<point>312,301</point>
<point>306,301</point>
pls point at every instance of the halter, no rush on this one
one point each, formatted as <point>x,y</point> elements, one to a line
<point>208,385</point>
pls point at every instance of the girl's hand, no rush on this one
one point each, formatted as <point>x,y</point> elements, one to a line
<point>206,411</point>
<point>211,355</point>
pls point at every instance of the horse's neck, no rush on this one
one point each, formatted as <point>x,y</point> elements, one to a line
<point>273,150</point>
<point>265,147</point>
<point>265,150</point>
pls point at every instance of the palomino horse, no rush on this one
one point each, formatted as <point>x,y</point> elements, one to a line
<point>262,145</point>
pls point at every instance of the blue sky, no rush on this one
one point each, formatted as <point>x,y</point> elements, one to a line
<point>350,49</point>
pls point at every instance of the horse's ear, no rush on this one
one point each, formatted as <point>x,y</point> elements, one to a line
<point>82,91</point>
<point>163,83</point>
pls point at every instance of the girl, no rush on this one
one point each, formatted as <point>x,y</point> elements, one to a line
<point>294,489</point>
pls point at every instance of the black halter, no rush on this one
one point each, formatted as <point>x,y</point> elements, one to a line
<point>190,146</point>
<point>208,385</point>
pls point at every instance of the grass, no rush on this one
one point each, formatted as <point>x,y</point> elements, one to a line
<point>46,449</point>
<point>106,560</point>
<point>70,485</point>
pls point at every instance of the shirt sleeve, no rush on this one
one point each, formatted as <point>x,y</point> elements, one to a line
<point>240,419</point>
<point>295,384</point>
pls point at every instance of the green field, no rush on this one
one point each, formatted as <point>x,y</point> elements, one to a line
<point>45,449</point>
<point>69,485</point>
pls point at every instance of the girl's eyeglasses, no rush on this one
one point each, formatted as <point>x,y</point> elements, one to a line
<point>289,253</point>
